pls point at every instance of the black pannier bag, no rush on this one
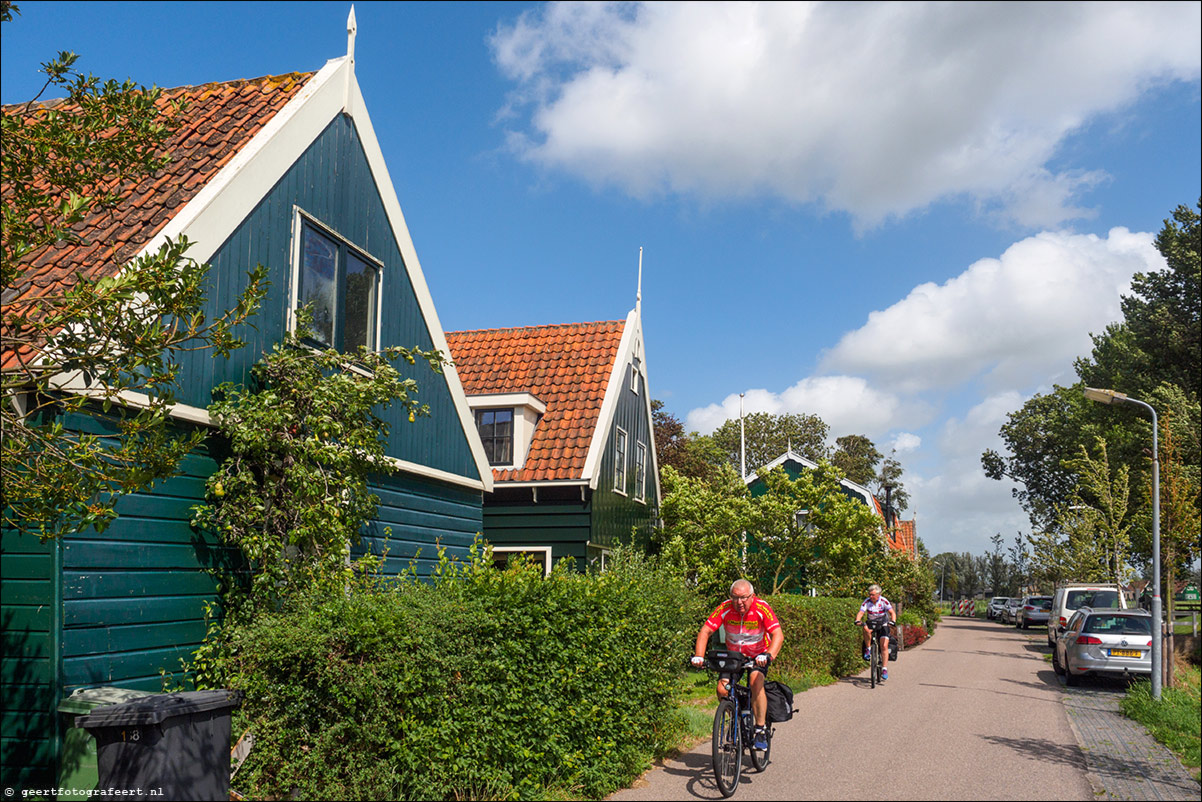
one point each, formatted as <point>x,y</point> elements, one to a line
<point>780,701</point>
<point>893,647</point>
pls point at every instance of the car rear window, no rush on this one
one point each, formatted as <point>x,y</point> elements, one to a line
<point>1118,625</point>
<point>1091,598</point>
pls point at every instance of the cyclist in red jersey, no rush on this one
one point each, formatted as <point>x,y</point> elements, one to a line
<point>751,628</point>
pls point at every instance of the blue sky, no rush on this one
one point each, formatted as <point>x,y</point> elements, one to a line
<point>904,218</point>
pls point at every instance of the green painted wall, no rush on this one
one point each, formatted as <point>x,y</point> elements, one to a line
<point>562,526</point>
<point>28,621</point>
<point>615,514</point>
<point>332,183</point>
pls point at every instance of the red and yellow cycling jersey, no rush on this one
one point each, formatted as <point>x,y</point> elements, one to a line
<point>747,632</point>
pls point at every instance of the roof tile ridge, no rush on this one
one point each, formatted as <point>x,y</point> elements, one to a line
<point>590,324</point>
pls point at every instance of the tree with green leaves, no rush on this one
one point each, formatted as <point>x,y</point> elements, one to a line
<point>857,457</point>
<point>704,525</point>
<point>768,436</point>
<point>304,437</point>
<point>690,454</point>
<point>1158,340</point>
<point>105,342</point>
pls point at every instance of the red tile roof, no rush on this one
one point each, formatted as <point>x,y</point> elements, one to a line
<point>219,120</point>
<point>903,538</point>
<point>567,367</point>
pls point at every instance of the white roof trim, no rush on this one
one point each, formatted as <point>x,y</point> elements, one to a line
<point>609,406</point>
<point>484,400</point>
<point>869,498</point>
<point>225,201</point>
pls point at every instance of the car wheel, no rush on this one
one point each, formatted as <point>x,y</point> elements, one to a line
<point>1059,669</point>
<point>1025,624</point>
<point>1071,679</point>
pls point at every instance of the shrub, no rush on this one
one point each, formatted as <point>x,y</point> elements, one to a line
<point>485,683</point>
<point>914,635</point>
<point>819,637</point>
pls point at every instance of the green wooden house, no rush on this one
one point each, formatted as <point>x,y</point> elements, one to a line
<point>284,171</point>
<point>564,414</point>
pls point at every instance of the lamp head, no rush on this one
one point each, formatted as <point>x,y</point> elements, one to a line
<point>1105,396</point>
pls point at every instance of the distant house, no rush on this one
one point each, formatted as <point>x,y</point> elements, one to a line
<point>795,464</point>
<point>284,171</point>
<point>904,537</point>
<point>564,413</point>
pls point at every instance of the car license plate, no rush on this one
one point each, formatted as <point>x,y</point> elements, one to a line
<point>1125,652</point>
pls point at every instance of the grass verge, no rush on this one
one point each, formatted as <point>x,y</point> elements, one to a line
<point>1177,720</point>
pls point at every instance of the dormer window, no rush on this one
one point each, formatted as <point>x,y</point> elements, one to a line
<point>506,423</point>
<point>496,432</point>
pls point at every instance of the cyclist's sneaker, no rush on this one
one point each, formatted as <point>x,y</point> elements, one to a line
<point>761,738</point>
<point>884,674</point>
<point>867,655</point>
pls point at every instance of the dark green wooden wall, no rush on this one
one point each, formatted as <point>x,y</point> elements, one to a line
<point>28,618</point>
<point>616,515</point>
<point>562,526</point>
<point>332,183</point>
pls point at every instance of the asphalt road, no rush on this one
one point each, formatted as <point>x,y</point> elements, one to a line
<point>974,713</point>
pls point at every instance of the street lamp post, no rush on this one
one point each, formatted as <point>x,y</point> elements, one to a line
<point>1114,397</point>
<point>942,573</point>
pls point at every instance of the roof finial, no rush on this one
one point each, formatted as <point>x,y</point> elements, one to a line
<point>351,28</point>
<point>638,295</point>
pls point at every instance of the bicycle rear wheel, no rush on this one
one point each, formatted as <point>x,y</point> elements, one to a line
<point>727,751</point>
<point>759,757</point>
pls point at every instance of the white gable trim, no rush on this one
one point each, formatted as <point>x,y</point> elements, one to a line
<point>858,489</point>
<point>609,406</point>
<point>226,200</point>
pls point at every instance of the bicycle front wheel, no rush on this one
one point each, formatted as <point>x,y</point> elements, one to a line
<point>727,751</point>
<point>876,662</point>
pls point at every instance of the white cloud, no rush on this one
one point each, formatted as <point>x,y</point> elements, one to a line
<point>905,441</point>
<point>877,109</point>
<point>1017,320</point>
<point>848,404</point>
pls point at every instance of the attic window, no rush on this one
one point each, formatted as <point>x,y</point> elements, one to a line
<point>496,432</point>
<point>634,375</point>
<point>342,286</point>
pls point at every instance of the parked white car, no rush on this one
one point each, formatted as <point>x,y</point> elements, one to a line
<point>1072,596</point>
<point>995,606</point>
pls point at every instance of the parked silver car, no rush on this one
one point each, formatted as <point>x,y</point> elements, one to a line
<point>1108,641</point>
<point>1010,612</point>
<point>1033,610</point>
<point>995,606</point>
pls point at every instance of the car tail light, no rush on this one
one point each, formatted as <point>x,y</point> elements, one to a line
<point>1088,640</point>
<point>1028,607</point>
<point>1149,644</point>
<point>1063,620</point>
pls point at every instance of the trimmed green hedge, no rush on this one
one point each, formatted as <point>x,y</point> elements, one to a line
<point>486,684</point>
<point>820,640</point>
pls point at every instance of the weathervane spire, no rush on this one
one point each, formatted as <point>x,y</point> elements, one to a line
<point>351,28</point>
<point>638,293</point>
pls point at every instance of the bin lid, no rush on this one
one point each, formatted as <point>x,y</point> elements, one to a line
<point>85,700</point>
<point>157,709</point>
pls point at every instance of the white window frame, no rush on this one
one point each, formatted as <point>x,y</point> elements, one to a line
<point>545,550</point>
<point>621,447</point>
<point>301,218</point>
<point>640,471</point>
<point>599,553</point>
<point>634,375</point>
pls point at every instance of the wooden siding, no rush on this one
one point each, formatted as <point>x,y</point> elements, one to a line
<point>417,515</point>
<point>28,724</point>
<point>333,183</point>
<point>563,527</point>
<point>614,514</point>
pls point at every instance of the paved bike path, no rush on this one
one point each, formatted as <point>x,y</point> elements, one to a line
<point>974,713</point>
